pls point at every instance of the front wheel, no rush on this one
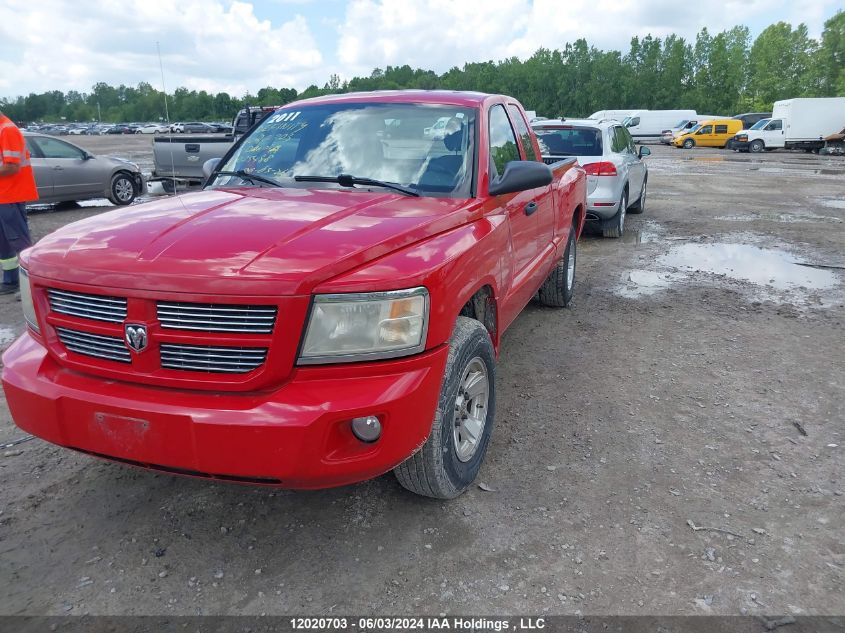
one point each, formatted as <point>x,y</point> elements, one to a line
<point>450,459</point>
<point>689,143</point>
<point>557,290</point>
<point>756,146</point>
<point>123,190</point>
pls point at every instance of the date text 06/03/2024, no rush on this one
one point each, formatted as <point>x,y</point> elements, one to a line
<point>420,623</point>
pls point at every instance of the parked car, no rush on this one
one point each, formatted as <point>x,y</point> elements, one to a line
<point>218,128</point>
<point>120,128</point>
<point>617,176</point>
<point>313,334</point>
<point>153,128</point>
<point>709,133</point>
<point>682,127</point>
<point>64,172</point>
<point>196,127</point>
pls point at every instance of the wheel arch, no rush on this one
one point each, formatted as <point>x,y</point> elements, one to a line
<point>483,307</point>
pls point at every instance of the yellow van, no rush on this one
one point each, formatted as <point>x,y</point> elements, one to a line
<point>712,133</point>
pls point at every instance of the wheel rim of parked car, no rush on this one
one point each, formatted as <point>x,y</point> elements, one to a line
<point>471,409</point>
<point>123,189</point>
<point>570,267</point>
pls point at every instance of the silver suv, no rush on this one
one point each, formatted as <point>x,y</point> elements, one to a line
<point>617,177</point>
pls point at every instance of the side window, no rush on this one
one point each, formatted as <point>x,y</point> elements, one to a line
<point>54,148</point>
<point>707,129</point>
<point>721,129</point>
<point>775,125</point>
<point>629,140</point>
<point>524,134</point>
<point>617,140</point>
<point>503,148</point>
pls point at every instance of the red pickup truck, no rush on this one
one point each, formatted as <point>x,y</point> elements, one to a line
<point>329,307</point>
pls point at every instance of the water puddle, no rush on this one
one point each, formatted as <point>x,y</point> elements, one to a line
<point>753,264</point>
<point>785,218</point>
<point>767,273</point>
<point>833,203</point>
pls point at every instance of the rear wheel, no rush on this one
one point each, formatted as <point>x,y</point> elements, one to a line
<point>689,143</point>
<point>639,205</point>
<point>122,190</point>
<point>557,290</point>
<point>756,146</point>
<point>450,459</point>
<point>615,226</point>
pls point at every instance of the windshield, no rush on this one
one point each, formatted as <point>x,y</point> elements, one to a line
<point>680,124</point>
<point>695,128</point>
<point>760,124</point>
<point>427,148</point>
<point>569,141</point>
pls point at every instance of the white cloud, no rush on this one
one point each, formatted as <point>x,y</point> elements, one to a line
<point>222,45</point>
<point>211,45</point>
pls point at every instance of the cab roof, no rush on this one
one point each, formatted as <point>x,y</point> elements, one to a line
<point>434,97</point>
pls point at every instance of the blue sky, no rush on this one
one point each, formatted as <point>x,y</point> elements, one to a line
<point>244,45</point>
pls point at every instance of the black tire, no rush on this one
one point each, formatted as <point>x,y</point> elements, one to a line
<point>557,290</point>
<point>436,470</point>
<point>639,205</point>
<point>123,189</point>
<point>689,143</point>
<point>615,226</point>
<point>756,146</point>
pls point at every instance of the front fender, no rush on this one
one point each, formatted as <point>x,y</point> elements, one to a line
<point>452,266</point>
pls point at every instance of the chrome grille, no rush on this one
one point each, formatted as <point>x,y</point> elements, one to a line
<point>227,360</point>
<point>96,345</point>
<point>86,306</point>
<point>209,317</point>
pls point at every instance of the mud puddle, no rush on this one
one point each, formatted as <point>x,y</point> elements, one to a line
<point>785,218</point>
<point>767,273</point>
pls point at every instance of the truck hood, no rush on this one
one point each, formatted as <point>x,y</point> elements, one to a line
<point>241,241</point>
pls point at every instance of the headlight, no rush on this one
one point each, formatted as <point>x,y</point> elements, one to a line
<point>26,301</point>
<point>367,326</point>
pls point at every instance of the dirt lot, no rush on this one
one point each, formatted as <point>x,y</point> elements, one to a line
<point>670,395</point>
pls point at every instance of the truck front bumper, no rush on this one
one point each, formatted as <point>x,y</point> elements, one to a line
<point>297,436</point>
<point>739,146</point>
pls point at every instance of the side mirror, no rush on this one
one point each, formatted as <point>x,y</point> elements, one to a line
<point>521,175</point>
<point>644,151</point>
<point>209,166</point>
<point>88,156</point>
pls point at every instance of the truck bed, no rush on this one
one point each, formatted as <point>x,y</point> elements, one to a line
<point>182,157</point>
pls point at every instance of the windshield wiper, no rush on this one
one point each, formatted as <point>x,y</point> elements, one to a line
<point>346,180</point>
<point>253,178</point>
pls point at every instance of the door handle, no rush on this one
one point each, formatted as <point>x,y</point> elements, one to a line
<point>58,168</point>
<point>530,208</point>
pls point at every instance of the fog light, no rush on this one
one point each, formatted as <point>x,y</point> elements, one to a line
<point>367,429</point>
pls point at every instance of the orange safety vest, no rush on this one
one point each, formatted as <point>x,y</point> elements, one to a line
<point>19,187</point>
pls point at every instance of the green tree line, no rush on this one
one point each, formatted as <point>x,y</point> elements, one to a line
<point>722,73</point>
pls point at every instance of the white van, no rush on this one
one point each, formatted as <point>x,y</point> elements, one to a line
<point>650,124</point>
<point>616,115</point>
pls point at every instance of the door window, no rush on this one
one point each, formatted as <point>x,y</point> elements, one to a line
<point>524,134</point>
<point>54,148</point>
<point>630,146</point>
<point>503,147</point>
<point>707,129</point>
<point>721,129</point>
<point>617,140</point>
<point>775,125</point>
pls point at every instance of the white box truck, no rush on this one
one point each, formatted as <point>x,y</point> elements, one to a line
<point>795,124</point>
<point>616,115</point>
<point>650,124</point>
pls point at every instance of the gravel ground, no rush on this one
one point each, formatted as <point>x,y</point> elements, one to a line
<point>672,444</point>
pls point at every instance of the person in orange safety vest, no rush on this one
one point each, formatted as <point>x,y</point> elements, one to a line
<point>17,187</point>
